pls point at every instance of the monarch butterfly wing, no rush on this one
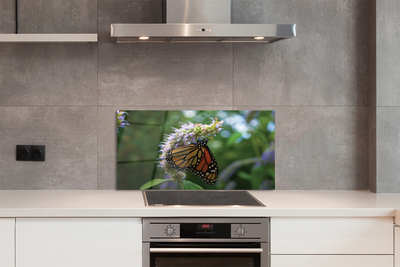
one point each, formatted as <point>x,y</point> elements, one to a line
<point>207,168</point>
<point>183,158</point>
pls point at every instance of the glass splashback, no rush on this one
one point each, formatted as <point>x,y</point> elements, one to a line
<point>195,149</point>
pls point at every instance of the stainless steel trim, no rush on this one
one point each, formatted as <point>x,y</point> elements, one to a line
<point>195,32</point>
<point>146,203</point>
<point>151,228</point>
<point>206,250</point>
<point>198,11</point>
<point>145,255</point>
<point>263,238</point>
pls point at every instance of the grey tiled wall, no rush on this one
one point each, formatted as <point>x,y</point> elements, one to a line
<point>387,143</point>
<point>65,96</point>
<point>7,16</point>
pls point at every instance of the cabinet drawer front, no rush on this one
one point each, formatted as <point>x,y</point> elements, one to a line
<point>332,260</point>
<point>332,235</point>
<point>7,226</point>
<point>78,242</point>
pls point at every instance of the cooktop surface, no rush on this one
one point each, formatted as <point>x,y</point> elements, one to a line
<point>200,198</point>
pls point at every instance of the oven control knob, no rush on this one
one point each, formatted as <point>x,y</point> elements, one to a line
<point>240,231</point>
<point>170,231</point>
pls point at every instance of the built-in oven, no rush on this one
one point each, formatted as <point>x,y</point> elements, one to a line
<point>191,242</point>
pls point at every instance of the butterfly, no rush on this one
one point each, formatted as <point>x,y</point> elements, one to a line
<point>196,158</point>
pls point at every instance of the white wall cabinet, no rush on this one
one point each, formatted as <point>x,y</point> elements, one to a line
<point>7,245</point>
<point>78,242</point>
<point>353,242</point>
<point>397,246</point>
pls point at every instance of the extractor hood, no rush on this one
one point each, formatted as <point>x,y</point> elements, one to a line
<point>191,21</point>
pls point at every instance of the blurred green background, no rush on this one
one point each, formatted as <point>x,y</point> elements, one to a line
<point>244,149</point>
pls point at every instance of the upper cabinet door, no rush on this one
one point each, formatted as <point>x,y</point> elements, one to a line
<point>7,232</point>
<point>78,242</point>
<point>332,235</point>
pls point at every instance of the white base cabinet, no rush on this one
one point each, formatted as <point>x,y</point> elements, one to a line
<point>397,246</point>
<point>7,245</point>
<point>332,242</point>
<point>332,235</point>
<point>332,260</point>
<point>78,242</point>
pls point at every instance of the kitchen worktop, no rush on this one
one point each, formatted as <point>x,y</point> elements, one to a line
<point>279,203</point>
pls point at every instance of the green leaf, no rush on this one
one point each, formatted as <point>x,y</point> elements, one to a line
<point>260,135</point>
<point>188,185</point>
<point>153,183</point>
<point>258,176</point>
<point>244,175</point>
<point>232,139</point>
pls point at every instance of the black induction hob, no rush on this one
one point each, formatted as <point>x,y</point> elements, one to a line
<point>199,198</point>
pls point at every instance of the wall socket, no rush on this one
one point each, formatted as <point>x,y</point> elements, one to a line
<point>31,153</point>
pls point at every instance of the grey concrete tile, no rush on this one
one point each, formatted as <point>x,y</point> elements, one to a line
<point>107,148</point>
<point>7,16</point>
<point>388,56</point>
<point>126,11</point>
<point>70,137</point>
<point>321,148</point>
<point>372,156</point>
<point>57,16</point>
<point>48,74</point>
<point>387,149</point>
<point>326,64</point>
<point>107,144</point>
<point>172,75</point>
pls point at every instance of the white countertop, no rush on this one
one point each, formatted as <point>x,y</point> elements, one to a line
<point>108,203</point>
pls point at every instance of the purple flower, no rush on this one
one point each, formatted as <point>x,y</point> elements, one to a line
<point>121,122</point>
<point>266,185</point>
<point>168,184</point>
<point>184,135</point>
<point>230,185</point>
<point>268,156</point>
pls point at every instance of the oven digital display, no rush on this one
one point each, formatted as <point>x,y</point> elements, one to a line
<point>205,230</point>
<point>205,227</point>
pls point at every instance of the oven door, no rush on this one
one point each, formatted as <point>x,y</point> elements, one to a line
<point>185,254</point>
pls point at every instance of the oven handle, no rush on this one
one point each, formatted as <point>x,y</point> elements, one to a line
<point>206,250</point>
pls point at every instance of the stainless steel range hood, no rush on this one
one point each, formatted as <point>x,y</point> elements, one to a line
<point>188,21</point>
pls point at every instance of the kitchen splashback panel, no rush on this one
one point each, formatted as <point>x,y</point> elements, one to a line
<point>196,150</point>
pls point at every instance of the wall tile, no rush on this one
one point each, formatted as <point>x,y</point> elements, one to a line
<point>388,56</point>
<point>70,137</point>
<point>126,11</point>
<point>172,75</point>
<point>387,149</point>
<point>48,74</point>
<point>372,156</point>
<point>107,148</point>
<point>321,148</point>
<point>7,16</point>
<point>57,16</point>
<point>326,64</point>
<point>65,96</point>
<point>107,145</point>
